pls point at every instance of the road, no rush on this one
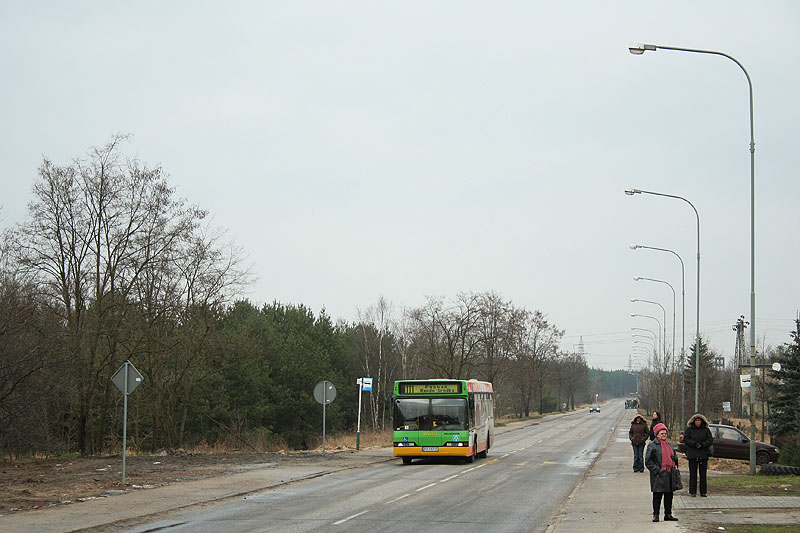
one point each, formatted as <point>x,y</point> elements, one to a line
<point>530,471</point>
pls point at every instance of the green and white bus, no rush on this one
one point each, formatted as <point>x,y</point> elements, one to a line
<point>443,417</point>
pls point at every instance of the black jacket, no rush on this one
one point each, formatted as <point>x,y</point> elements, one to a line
<point>694,436</point>
<point>654,423</point>
<point>660,480</point>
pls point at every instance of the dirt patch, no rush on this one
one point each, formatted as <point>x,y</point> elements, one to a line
<point>726,466</point>
<point>37,483</point>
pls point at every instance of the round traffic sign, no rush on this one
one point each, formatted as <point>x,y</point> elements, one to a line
<point>324,392</point>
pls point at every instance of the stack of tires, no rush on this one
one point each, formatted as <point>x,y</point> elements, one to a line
<point>772,469</point>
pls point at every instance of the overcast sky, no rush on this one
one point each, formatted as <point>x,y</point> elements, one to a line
<point>409,149</point>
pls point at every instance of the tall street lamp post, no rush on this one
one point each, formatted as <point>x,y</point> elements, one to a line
<point>634,315</point>
<point>641,278</point>
<point>664,313</point>
<point>650,331</point>
<point>683,319</point>
<point>631,192</point>
<point>640,49</point>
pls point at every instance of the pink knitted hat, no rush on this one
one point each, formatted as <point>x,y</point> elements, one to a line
<point>659,427</point>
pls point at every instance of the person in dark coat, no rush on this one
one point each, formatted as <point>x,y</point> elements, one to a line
<point>698,438</point>
<point>638,436</point>
<point>656,420</point>
<point>660,459</point>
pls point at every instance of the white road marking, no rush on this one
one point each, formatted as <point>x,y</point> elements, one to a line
<point>448,478</point>
<point>398,499</point>
<point>343,520</point>
<point>426,487</point>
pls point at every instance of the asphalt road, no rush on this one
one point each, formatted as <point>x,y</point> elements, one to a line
<point>530,471</point>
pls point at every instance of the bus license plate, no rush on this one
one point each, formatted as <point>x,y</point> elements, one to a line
<point>430,448</point>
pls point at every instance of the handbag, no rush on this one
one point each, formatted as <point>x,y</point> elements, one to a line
<point>677,484</point>
<point>711,451</point>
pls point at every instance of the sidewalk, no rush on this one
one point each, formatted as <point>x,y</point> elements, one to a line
<point>612,498</point>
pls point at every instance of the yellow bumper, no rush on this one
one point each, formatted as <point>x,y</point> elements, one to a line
<point>416,451</point>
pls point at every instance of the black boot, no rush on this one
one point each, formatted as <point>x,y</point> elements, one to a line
<point>655,517</point>
<point>669,518</point>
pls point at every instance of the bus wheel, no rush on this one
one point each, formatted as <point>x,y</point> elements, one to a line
<point>406,460</point>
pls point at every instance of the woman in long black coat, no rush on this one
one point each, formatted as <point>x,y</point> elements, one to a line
<point>660,459</point>
<point>698,438</point>
<point>656,421</point>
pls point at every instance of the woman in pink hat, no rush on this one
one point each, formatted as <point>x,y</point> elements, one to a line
<point>660,458</point>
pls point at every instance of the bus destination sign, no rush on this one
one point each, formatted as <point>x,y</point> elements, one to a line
<point>430,388</point>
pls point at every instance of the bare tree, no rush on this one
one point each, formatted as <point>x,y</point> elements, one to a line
<point>95,229</point>
<point>374,326</point>
<point>533,348</point>
<point>498,324</point>
<point>448,337</point>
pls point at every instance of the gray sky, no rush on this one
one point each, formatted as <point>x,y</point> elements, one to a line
<point>405,149</point>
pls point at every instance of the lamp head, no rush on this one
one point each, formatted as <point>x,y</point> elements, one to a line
<point>638,49</point>
<point>637,278</point>
<point>634,300</point>
<point>634,246</point>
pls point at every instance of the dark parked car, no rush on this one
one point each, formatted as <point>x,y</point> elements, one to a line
<point>594,408</point>
<point>731,443</point>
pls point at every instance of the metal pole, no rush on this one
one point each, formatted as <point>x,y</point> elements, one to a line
<point>124,422</point>
<point>324,403</point>
<point>631,192</point>
<point>358,427</point>
<point>664,313</point>
<point>657,329</point>
<point>683,321</point>
<point>640,50</point>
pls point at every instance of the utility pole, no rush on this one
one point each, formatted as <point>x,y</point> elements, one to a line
<point>741,358</point>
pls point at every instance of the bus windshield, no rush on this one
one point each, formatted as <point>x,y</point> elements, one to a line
<point>430,414</point>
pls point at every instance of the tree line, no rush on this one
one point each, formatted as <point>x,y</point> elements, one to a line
<point>109,265</point>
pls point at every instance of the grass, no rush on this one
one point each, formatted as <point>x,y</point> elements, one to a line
<point>755,485</point>
<point>71,455</point>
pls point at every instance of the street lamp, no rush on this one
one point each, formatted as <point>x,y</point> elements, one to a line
<point>631,192</point>
<point>640,49</point>
<point>650,331</point>
<point>640,278</point>
<point>644,337</point>
<point>683,318</point>
<point>664,311</point>
<point>634,315</point>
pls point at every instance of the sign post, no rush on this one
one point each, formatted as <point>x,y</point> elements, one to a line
<point>364,384</point>
<point>126,378</point>
<point>324,393</point>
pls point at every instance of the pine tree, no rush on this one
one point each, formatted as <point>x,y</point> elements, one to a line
<point>711,380</point>
<point>785,415</point>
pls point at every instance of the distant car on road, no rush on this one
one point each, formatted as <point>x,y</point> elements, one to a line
<point>731,443</point>
<point>594,408</point>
